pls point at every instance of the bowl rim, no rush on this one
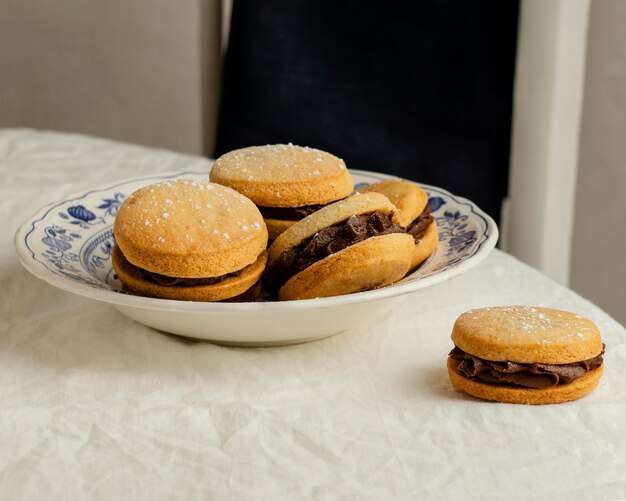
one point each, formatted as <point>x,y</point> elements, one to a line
<point>27,258</point>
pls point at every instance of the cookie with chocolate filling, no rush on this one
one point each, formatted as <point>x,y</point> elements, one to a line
<point>525,355</point>
<point>413,213</point>
<point>352,245</point>
<point>286,182</point>
<point>190,240</point>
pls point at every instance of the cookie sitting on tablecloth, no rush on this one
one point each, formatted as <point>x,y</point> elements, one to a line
<point>525,355</point>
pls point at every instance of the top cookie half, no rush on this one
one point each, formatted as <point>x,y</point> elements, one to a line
<point>284,175</point>
<point>189,229</point>
<point>527,334</point>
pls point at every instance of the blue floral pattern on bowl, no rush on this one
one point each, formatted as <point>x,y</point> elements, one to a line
<point>92,263</point>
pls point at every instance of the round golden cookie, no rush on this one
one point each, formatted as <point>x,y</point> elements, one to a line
<point>370,264</point>
<point>328,216</point>
<point>242,287</point>
<point>527,334</point>
<point>283,175</point>
<point>409,198</point>
<point>425,246</point>
<point>190,229</point>
<point>513,395</point>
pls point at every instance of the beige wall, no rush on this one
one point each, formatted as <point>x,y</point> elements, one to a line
<point>142,71</point>
<point>598,265</point>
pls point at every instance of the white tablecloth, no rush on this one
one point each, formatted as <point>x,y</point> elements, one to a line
<point>94,405</point>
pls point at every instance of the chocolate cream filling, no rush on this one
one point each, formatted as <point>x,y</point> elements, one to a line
<point>167,281</point>
<point>335,238</point>
<point>185,282</point>
<point>418,226</point>
<point>524,375</point>
<point>289,213</point>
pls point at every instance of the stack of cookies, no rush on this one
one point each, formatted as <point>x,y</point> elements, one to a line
<point>206,241</point>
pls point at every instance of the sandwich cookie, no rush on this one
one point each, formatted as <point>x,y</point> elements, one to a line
<point>190,240</point>
<point>350,246</point>
<point>525,355</point>
<point>413,213</point>
<point>286,182</point>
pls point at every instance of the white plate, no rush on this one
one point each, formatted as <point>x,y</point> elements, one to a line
<point>68,244</point>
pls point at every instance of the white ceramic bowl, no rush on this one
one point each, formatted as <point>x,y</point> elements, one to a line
<point>68,244</point>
